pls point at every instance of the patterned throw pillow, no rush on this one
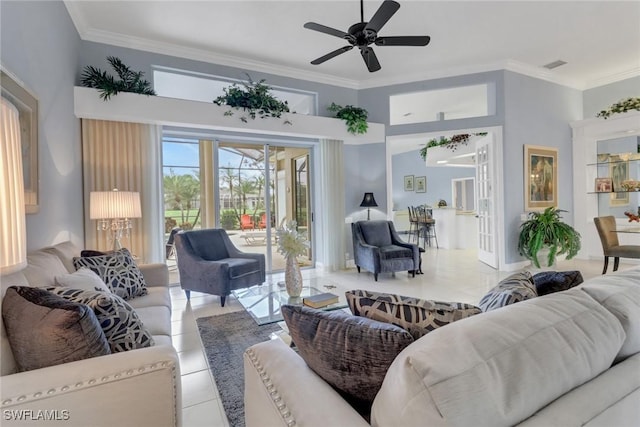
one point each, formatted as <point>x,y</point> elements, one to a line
<point>119,321</point>
<point>417,316</point>
<point>84,279</point>
<point>118,270</point>
<point>515,288</point>
<point>548,282</point>
<point>350,353</point>
<point>46,330</point>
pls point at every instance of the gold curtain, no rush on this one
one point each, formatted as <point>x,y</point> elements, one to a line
<point>124,156</point>
<point>207,190</point>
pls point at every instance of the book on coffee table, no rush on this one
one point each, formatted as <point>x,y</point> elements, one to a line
<point>320,300</point>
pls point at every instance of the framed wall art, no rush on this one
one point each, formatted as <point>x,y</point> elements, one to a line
<point>541,177</point>
<point>408,183</point>
<point>619,172</point>
<point>603,185</point>
<point>27,106</point>
<point>421,184</point>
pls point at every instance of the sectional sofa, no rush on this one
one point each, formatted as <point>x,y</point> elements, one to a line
<point>139,387</point>
<point>570,358</point>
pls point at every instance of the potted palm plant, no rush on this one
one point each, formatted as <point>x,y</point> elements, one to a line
<point>546,231</point>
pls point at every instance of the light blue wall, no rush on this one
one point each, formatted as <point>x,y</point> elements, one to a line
<point>602,97</point>
<point>536,113</point>
<point>376,101</point>
<point>365,172</point>
<point>40,45</point>
<point>438,180</point>
<point>96,53</point>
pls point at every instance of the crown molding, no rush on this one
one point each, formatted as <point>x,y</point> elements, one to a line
<point>634,72</point>
<point>116,39</point>
<point>163,48</point>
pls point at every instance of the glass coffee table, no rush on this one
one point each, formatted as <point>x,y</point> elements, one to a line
<point>263,302</point>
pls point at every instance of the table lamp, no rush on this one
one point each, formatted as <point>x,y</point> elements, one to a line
<point>368,201</point>
<point>114,210</point>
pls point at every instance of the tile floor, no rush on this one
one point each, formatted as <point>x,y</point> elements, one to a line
<point>450,275</point>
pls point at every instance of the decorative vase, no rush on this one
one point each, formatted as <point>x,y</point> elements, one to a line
<point>293,277</point>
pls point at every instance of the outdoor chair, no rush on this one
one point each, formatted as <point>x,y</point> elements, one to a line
<point>378,249</point>
<point>209,262</point>
<point>606,226</point>
<point>246,222</point>
<point>263,221</point>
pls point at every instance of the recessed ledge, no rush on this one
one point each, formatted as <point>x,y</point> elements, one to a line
<point>135,108</point>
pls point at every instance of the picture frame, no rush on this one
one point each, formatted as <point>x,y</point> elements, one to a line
<point>27,104</point>
<point>603,185</point>
<point>408,183</point>
<point>619,172</point>
<point>421,184</point>
<point>541,177</point>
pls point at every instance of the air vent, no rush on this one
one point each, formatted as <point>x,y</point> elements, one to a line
<point>554,64</point>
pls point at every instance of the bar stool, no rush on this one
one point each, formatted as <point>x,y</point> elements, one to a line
<point>427,227</point>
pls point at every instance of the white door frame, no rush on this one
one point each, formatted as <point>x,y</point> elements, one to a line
<point>396,144</point>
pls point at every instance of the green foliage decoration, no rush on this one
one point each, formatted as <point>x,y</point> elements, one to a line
<point>451,143</point>
<point>254,98</point>
<point>130,81</point>
<point>620,107</point>
<point>355,117</point>
<point>546,229</point>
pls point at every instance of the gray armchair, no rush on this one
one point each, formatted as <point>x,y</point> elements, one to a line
<point>378,249</point>
<point>209,262</point>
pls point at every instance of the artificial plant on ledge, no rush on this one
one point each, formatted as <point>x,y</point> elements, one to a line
<point>620,107</point>
<point>107,85</point>
<point>354,117</point>
<point>254,98</point>
<point>451,143</point>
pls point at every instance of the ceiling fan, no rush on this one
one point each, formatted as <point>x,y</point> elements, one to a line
<point>363,34</point>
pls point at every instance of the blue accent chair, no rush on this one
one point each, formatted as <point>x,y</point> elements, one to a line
<point>378,249</point>
<point>209,262</point>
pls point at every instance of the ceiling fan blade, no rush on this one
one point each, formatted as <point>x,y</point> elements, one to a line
<point>331,55</point>
<point>370,59</point>
<point>327,30</point>
<point>403,41</point>
<point>382,15</point>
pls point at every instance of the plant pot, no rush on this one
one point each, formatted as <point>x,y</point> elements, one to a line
<point>543,259</point>
<point>293,277</point>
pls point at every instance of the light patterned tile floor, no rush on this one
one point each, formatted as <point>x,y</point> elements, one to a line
<point>450,275</point>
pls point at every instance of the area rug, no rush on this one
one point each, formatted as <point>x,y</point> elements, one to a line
<point>225,338</point>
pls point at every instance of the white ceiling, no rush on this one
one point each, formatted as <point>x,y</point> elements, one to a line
<point>600,40</point>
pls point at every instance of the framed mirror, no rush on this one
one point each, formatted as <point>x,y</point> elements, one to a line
<point>27,105</point>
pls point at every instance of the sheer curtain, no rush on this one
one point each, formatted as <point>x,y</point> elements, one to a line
<point>13,238</point>
<point>126,156</point>
<point>331,213</point>
<point>207,190</point>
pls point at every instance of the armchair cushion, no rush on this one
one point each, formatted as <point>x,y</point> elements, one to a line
<point>415,315</point>
<point>118,270</point>
<point>239,267</point>
<point>376,233</point>
<point>119,321</point>
<point>395,252</point>
<point>45,329</point>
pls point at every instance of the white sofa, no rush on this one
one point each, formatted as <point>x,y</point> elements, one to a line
<point>133,388</point>
<point>566,359</point>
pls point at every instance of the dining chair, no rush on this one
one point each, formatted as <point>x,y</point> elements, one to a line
<point>606,226</point>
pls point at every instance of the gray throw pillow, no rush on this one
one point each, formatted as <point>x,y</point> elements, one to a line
<point>548,282</point>
<point>515,288</point>
<point>119,321</point>
<point>45,329</point>
<point>117,269</point>
<point>415,315</point>
<point>350,353</point>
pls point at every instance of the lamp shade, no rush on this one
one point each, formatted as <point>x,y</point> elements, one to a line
<point>114,204</point>
<point>13,234</point>
<point>368,201</point>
